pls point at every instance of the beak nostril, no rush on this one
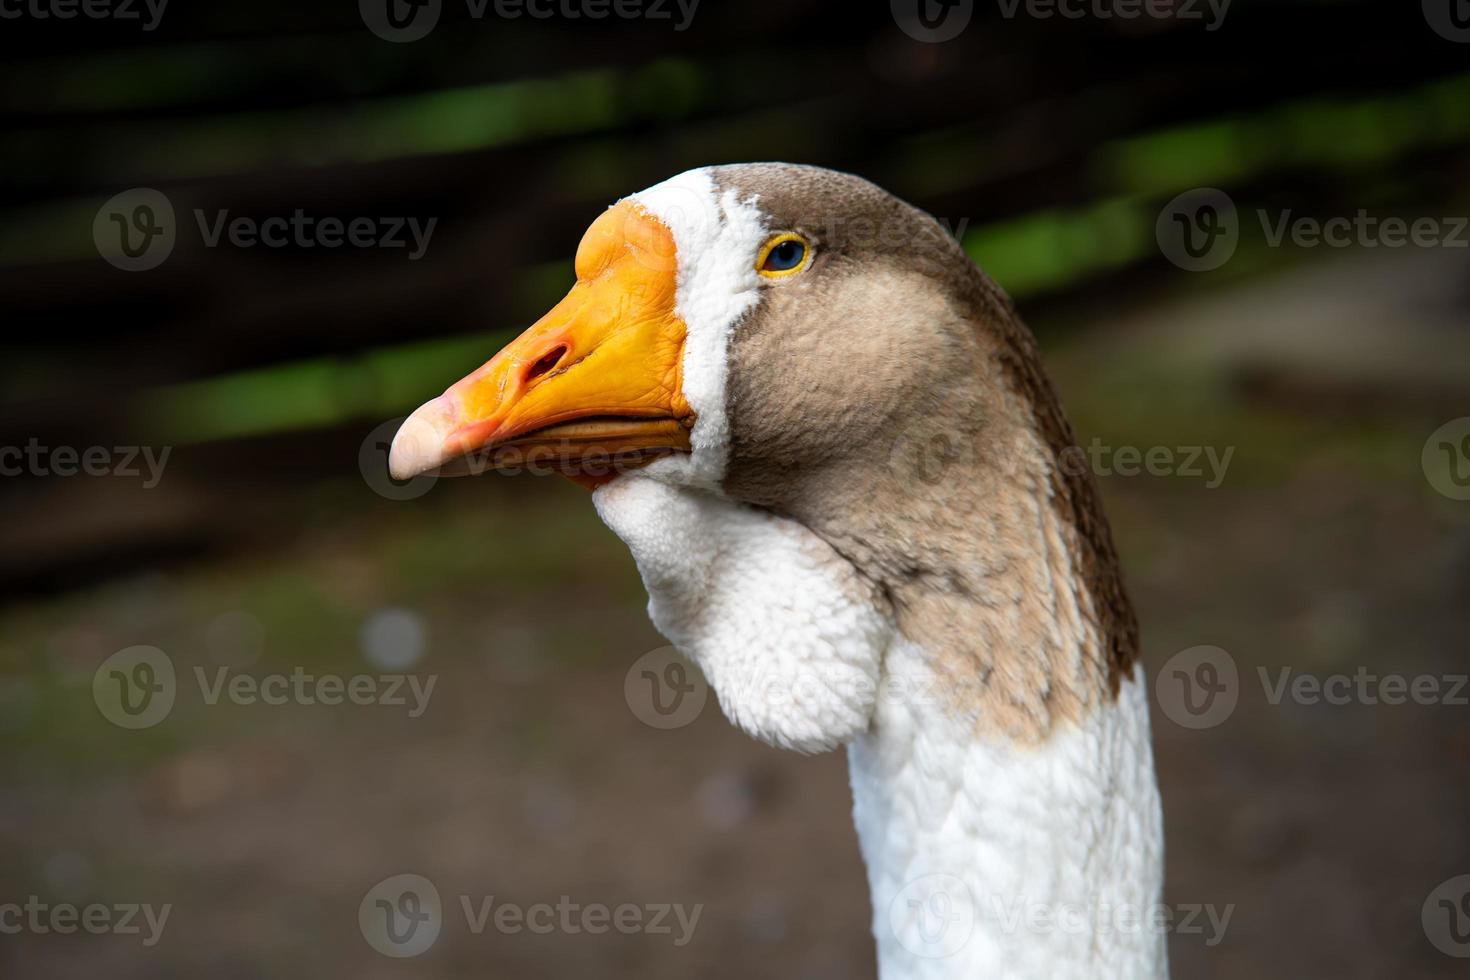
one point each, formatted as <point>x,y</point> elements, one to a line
<point>546,362</point>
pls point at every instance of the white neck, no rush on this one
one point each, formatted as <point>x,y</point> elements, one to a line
<point>987,857</point>
<point>996,859</point>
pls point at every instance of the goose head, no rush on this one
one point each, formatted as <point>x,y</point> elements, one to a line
<point>830,446</point>
<point>799,341</point>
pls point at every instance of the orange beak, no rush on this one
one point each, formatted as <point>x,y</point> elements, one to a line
<point>591,389</point>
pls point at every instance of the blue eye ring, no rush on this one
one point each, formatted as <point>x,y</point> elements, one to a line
<point>784,255</point>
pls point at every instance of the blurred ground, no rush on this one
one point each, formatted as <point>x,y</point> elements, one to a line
<point>529,777</point>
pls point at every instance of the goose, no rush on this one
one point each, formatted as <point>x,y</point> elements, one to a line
<point>830,445</point>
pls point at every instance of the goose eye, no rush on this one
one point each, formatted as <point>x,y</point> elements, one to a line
<point>783,255</point>
<point>787,255</point>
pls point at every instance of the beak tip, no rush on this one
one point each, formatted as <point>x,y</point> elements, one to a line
<point>418,446</point>
<point>400,469</point>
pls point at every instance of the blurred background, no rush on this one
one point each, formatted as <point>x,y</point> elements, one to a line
<point>195,423</point>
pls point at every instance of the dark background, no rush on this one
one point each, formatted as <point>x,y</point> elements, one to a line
<point>273,540</point>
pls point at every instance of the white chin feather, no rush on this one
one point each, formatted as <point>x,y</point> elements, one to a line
<point>777,621</point>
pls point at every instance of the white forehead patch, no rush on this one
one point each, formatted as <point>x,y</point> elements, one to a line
<point>716,238</point>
